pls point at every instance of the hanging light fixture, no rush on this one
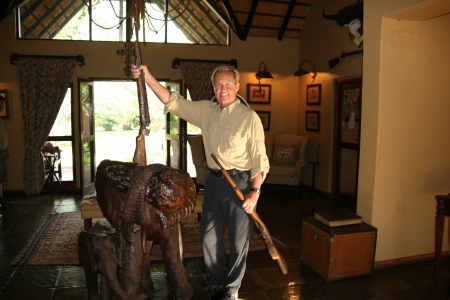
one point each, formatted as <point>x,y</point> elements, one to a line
<point>301,71</point>
<point>262,73</point>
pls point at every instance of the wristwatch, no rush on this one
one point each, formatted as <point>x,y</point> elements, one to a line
<point>257,191</point>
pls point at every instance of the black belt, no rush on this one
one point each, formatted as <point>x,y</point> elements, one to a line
<point>218,173</point>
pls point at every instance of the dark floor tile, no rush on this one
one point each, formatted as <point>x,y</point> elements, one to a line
<point>75,293</point>
<point>383,283</point>
<point>345,289</point>
<point>410,295</point>
<point>415,275</point>
<point>303,292</point>
<point>259,295</point>
<point>308,275</point>
<point>41,294</point>
<point>249,284</point>
<point>259,259</point>
<point>71,277</point>
<point>33,278</point>
<point>273,278</point>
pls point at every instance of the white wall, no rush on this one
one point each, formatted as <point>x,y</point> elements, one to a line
<point>404,157</point>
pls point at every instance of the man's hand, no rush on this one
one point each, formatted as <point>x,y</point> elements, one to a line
<point>251,199</point>
<point>136,72</point>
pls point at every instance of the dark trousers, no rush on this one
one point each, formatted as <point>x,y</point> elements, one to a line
<point>222,207</point>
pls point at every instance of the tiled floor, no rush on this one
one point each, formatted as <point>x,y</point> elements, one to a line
<point>281,213</point>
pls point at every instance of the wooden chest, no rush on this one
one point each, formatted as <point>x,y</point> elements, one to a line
<point>338,252</point>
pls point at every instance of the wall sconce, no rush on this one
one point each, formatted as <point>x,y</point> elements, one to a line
<point>262,74</point>
<point>301,72</point>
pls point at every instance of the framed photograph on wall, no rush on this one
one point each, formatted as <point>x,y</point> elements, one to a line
<point>312,120</point>
<point>4,110</point>
<point>265,119</point>
<point>259,94</point>
<point>313,94</point>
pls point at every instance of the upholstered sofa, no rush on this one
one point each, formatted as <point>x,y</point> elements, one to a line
<point>286,153</point>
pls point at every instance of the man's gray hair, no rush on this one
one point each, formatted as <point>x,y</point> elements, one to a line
<point>226,68</point>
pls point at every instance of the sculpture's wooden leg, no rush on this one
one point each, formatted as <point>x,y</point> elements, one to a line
<point>132,257</point>
<point>172,249</point>
<point>147,282</point>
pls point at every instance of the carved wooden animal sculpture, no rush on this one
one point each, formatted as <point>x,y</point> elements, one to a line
<point>146,204</point>
<point>99,254</point>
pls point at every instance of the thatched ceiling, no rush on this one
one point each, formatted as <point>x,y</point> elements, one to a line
<point>201,20</point>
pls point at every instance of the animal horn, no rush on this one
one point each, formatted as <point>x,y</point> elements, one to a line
<point>329,17</point>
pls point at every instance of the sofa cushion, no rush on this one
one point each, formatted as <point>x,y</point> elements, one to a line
<point>286,171</point>
<point>285,155</point>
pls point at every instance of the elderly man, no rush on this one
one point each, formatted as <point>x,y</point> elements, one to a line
<point>234,133</point>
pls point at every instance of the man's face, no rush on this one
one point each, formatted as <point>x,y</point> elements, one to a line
<point>225,88</point>
<point>2,105</point>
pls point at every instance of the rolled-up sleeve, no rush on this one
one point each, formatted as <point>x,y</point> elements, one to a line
<point>259,160</point>
<point>185,109</point>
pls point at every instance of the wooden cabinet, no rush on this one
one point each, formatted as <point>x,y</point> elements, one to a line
<point>338,252</point>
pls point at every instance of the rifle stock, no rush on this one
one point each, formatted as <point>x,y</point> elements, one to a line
<point>140,155</point>
<point>273,251</point>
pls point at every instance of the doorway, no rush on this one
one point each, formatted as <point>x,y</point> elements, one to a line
<point>115,118</point>
<point>347,138</point>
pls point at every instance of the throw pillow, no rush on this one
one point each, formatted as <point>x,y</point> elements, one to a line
<point>285,155</point>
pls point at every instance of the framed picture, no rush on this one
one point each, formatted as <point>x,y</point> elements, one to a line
<point>313,94</point>
<point>4,109</point>
<point>265,119</point>
<point>312,120</point>
<point>259,93</point>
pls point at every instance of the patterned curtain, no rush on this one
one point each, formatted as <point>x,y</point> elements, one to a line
<point>197,76</point>
<point>43,85</point>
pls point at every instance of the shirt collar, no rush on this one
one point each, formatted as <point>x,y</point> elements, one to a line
<point>242,100</point>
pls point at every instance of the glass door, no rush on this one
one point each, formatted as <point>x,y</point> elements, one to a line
<point>87,131</point>
<point>175,134</point>
<point>347,127</point>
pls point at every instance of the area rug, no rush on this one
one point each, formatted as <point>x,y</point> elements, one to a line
<point>56,242</point>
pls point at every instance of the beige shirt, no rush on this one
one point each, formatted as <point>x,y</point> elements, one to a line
<point>235,134</point>
<point>3,136</point>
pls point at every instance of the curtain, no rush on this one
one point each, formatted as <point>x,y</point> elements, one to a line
<point>43,85</point>
<point>197,76</point>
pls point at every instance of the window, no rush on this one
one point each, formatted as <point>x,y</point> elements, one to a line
<point>61,136</point>
<point>166,21</point>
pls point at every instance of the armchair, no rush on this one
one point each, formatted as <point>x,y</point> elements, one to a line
<point>198,158</point>
<point>286,153</point>
<point>201,168</point>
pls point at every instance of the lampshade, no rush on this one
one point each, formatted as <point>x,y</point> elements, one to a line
<point>301,71</point>
<point>263,73</point>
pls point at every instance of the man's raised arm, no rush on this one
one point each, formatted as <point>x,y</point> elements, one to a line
<point>160,91</point>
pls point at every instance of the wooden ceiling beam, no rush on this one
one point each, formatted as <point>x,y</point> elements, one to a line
<point>286,19</point>
<point>251,15</point>
<point>268,15</point>
<point>287,2</point>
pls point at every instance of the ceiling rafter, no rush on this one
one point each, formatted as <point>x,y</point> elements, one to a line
<point>256,17</point>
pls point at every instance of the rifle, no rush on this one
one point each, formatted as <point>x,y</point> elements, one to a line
<point>274,253</point>
<point>140,155</point>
